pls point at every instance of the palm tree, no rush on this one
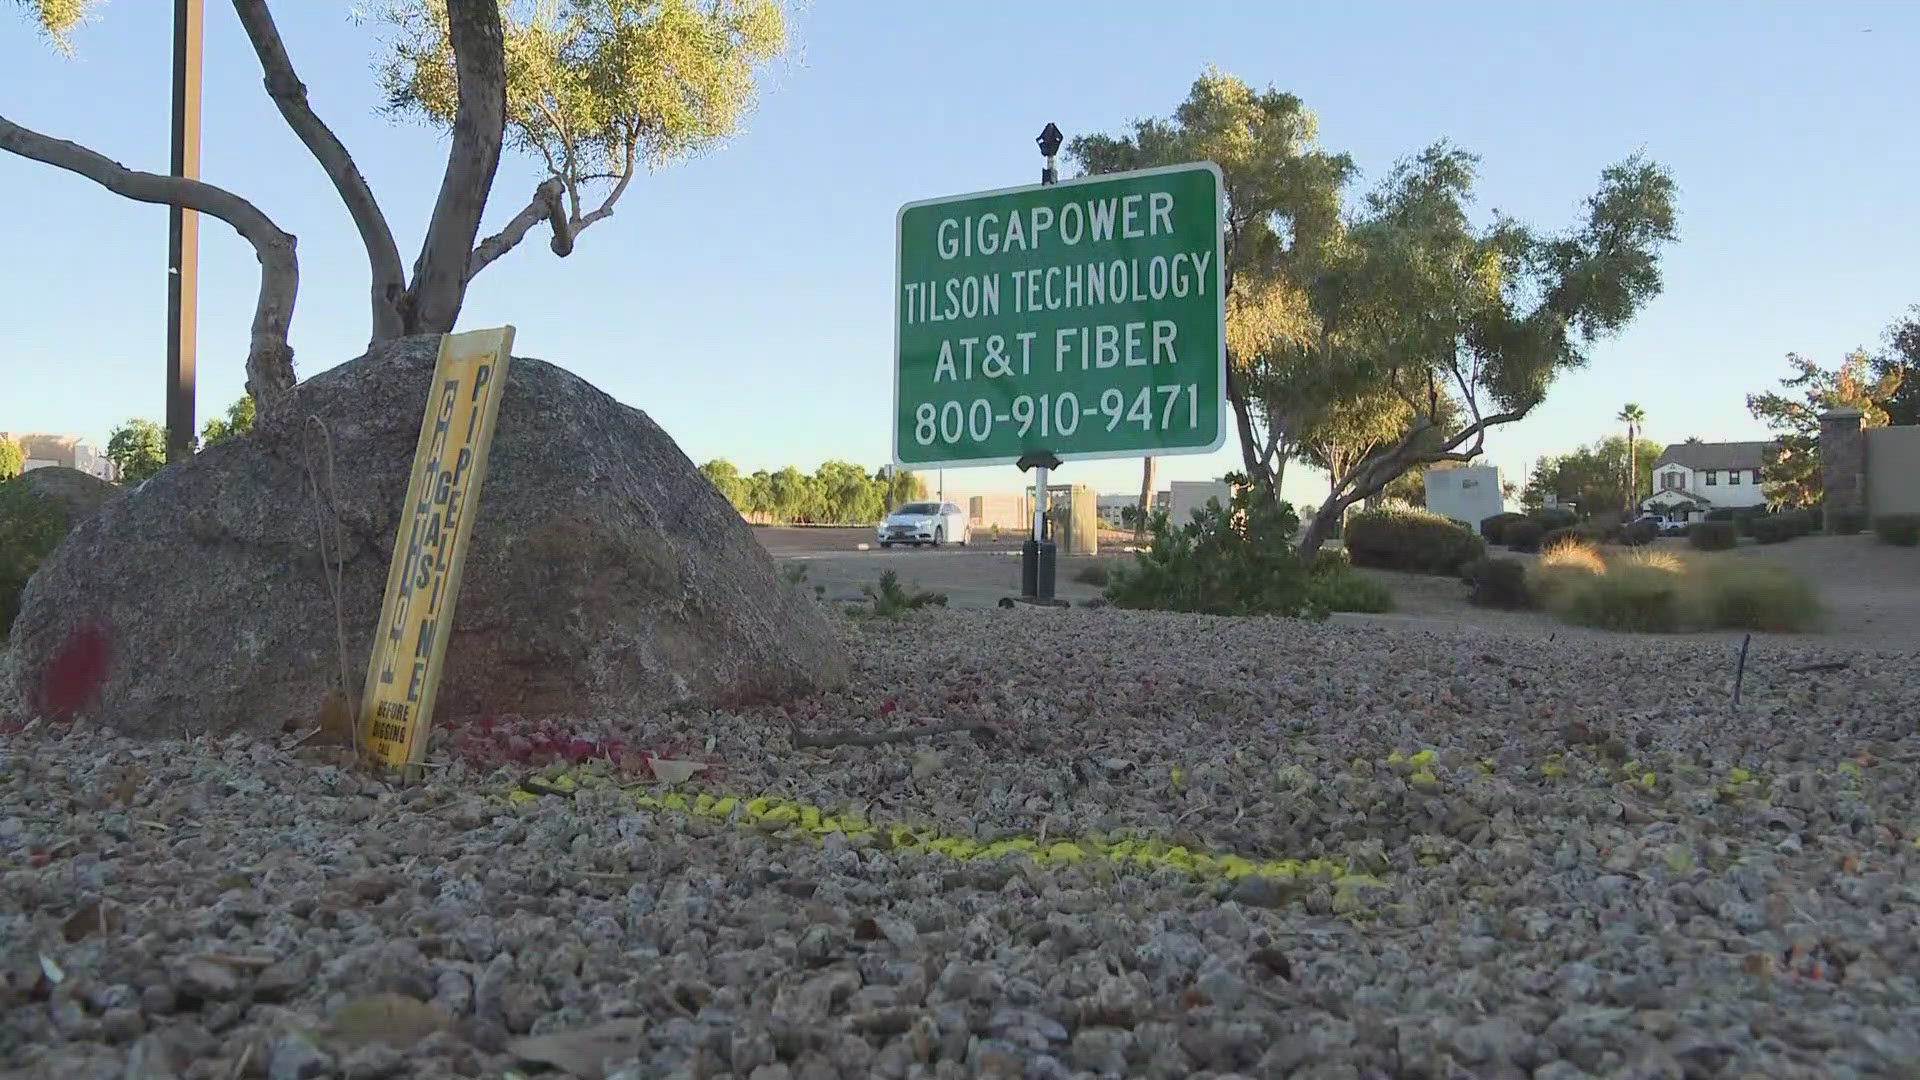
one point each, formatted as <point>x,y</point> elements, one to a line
<point>1633,416</point>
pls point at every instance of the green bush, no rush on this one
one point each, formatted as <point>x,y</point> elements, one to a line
<point>1816,518</point>
<point>1551,518</point>
<point>1494,529</point>
<point>1712,535</point>
<point>1524,535</point>
<point>1635,533</point>
<point>1764,598</point>
<point>1901,529</point>
<point>1409,539</point>
<point>1643,599</point>
<point>1237,560</point>
<point>1561,537</point>
<point>892,600</point>
<point>1095,573</point>
<point>1500,583</point>
<point>1849,522</point>
<point>1337,588</point>
<point>1781,527</point>
<point>31,526</point>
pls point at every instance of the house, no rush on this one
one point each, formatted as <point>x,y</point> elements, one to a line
<point>66,451</point>
<point>1690,479</point>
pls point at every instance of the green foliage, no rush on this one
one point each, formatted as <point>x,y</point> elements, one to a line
<point>13,458</point>
<point>1413,540</point>
<point>838,493</point>
<point>1636,533</point>
<point>795,573</point>
<point>1094,573</point>
<point>1641,599</point>
<point>1781,527</point>
<point>1523,535</point>
<point>892,600</point>
<point>1500,583</point>
<point>1283,211</point>
<point>1713,535</point>
<point>1235,560</point>
<point>596,89</point>
<point>1554,538</point>
<point>1554,517</point>
<point>238,421</point>
<point>1759,598</point>
<point>1592,477</point>
<point>1494,529</point>
<point>58,18</point>
<point>1791,476</point>
<point>1340,589</point>
<point>139,448</point>
<point>1849,522</point>
<point>1901,358</point>
<point>30,528</point>
<point>1899,529</point>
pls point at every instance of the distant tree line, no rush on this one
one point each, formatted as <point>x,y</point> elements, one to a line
<point>139,446</point>
<point>838,492</point>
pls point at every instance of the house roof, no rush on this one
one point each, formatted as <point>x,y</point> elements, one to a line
<point>1715,455</point>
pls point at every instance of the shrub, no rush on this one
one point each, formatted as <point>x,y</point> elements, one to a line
<point>1500,583</point>
<point>1781,527</point>
<point>31,526</point>
<point>1557,538</point>
<point>1640,598</point>
<point>1563,568</point>
<point>1720,514</point>
<point>1712,535</point>
<point>1524,535</point>
<point>891,599</point>
<point>1337,588</point>
<point>1494,529</point>
<point>1901,529</point>
<point>1551,518</point>
<point>1849,522</point>
<point>1409,539</point>
<point>1748,597</point>
<point>1816,518</point>
<point>1637,533</point>
<point>1094,573</point>
<point>1237,560</point>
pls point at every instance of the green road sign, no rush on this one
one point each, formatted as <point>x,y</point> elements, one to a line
<point>1085,318</point>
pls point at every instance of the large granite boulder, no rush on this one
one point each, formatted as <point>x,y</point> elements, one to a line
<point>77,494</point>
<point>605,576</point>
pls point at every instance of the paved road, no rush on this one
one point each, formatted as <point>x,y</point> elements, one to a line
<point>977,575</point>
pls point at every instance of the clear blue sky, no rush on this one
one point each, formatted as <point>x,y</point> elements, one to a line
<point>745,299</point>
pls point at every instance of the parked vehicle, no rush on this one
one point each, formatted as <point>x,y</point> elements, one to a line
<point>919,523</point>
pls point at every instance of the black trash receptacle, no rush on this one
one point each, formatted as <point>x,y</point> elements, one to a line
<point>1037,569</point>
<point>1046,572</point>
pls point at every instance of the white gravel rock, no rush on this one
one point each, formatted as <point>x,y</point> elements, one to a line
<point>1602,868</point>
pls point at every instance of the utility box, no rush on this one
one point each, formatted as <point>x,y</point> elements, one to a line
<point>1186,496</point>
<point>1073,519</point>
<point>1469,494</point>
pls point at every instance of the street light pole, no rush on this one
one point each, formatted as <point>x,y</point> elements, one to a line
<point>183,231</point>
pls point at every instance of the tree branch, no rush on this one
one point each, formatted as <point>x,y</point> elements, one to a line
<point>619,189</point>
<point>544,206</point>
<point>269,357</point>
<point>440,276</point>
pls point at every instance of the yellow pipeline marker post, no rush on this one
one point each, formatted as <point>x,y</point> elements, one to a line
<point>423,581</point>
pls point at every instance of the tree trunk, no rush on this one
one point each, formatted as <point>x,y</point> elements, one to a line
<point>269,357</point>
<point>1146,500</point>
<point>1257,474</point>
<point>1633,471</point>
<point>440,274</point>
<point>1319,528</point>
<point>290,95</point>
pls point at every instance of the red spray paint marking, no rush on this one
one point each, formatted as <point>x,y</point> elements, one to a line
<point>72,679</point>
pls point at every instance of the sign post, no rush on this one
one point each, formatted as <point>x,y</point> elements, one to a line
<point>430,549</point>
<point>1062,322</point>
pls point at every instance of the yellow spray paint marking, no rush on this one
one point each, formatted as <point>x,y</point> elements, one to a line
<point>785,815</point>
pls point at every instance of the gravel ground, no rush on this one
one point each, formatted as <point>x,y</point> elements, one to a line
<point>1344,851</point>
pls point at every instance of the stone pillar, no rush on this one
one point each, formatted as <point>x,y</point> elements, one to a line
<point>1843,464</point>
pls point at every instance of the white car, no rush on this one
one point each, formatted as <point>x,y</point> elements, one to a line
<point>919,523</point>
